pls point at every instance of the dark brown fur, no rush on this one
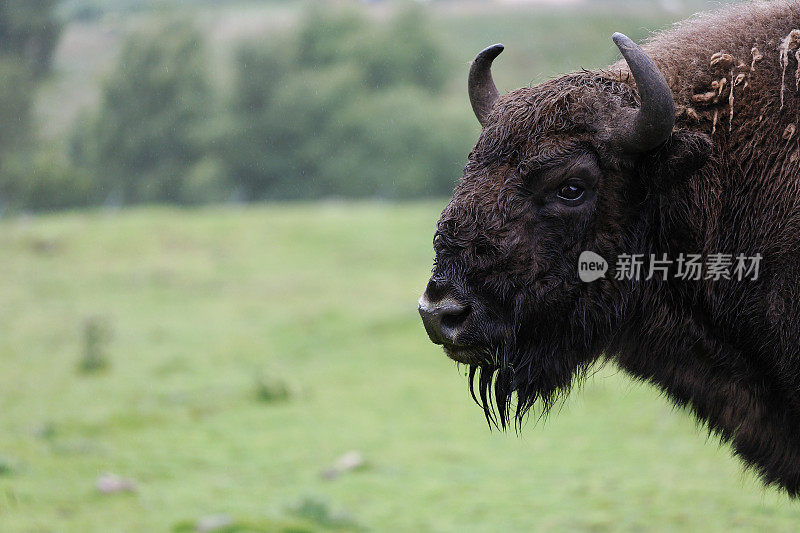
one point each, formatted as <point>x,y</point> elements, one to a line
<point>727,350</point>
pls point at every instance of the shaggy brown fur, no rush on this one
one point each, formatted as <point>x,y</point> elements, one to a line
<point>727,181</point>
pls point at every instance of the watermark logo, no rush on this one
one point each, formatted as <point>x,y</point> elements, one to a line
<point>591,266</point>
<point>692,267</point>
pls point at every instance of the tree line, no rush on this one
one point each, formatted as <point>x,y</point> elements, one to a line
<point>339,105</point>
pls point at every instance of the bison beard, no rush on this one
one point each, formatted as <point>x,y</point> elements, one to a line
<point>508,371</point>
<point>702,159</point>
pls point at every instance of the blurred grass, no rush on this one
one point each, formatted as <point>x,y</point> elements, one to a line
<point>208,305</point>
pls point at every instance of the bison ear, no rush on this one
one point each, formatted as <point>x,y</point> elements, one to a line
<point>684,153</point>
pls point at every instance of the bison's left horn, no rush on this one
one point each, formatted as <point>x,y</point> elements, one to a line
<point>482,90</point>
<point>653,123</point>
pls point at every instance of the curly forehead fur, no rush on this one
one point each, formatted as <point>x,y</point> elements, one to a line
<point>527,123</point>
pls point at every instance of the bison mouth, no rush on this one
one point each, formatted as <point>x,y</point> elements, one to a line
<point>474,355</point>
<point>467,355</point>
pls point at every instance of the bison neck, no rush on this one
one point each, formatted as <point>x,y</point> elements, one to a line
<point>729,351</point>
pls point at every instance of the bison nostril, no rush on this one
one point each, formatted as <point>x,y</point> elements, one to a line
<point>454,316</point>
<point>443,320</point>
<point>443,316</point>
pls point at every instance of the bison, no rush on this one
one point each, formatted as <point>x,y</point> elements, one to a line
<point>685,150</point>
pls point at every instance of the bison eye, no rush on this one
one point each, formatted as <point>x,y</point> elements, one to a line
<point>571,194</point>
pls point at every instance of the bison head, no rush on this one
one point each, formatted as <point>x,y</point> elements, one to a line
<point>559,168</point>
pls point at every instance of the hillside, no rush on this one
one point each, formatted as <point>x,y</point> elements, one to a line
<point>542,40</point>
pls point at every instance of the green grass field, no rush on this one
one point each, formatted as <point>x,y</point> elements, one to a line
<point>209,311</point>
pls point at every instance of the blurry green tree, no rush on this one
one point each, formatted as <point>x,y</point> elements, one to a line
<point>149,140</point>
<point>29,32</point>
<point>346,107</point>
<point>343,105</point>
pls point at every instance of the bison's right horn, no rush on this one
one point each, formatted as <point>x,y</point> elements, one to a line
<point>482,90</point>
<point>653,123</point>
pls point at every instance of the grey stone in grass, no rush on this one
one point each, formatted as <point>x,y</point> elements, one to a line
<point>347,462</point>
<point>213,523</point>
<point>111,483</point>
